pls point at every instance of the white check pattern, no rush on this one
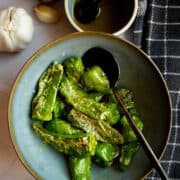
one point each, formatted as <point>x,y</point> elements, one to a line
<point>157,32</point>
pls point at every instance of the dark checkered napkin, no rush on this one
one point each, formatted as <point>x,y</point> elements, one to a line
<point>157,32</point>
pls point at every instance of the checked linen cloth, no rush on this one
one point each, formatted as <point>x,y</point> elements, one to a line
<point>157,31</point>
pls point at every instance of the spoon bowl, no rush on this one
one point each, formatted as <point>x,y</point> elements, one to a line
<point>105,60</point>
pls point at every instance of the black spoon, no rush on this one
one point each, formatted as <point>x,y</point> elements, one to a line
<point>103,58</point>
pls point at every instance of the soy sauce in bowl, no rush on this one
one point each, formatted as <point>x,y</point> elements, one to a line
<point>102,15</point>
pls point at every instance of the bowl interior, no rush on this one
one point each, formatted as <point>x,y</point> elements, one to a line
<point>138,73</point>
<point>127,15</point>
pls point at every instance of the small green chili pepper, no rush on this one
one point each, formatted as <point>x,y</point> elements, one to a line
<point>85,144</point>
<point>44,100</point>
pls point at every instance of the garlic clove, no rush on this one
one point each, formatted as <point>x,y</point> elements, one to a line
<point>47,14</point>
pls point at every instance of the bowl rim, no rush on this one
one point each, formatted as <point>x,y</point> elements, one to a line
<point>60,40</point>
<point>116,33</point>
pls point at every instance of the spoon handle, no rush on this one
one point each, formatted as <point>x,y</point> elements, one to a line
<point>149,152</point>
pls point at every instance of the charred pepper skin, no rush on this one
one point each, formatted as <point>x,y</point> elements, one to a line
<point>115,113</point>
<point>74,68</point>
<point>102,130</point>
<point>62,127</point>
<point>131,146</point>
<point>77,146</point>
<point>78,99</point>
<point>127,131</point>
<point>44,100</point>
<point>129,101</point>
<point>80,167</point>
<point>95,79</point>
<point>105,154</point>
<point>128,98</point>
<point>60,108</point>
<point>127,153</point>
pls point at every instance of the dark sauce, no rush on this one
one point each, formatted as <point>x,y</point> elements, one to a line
<point>86,11</point>
<point>102,15</point>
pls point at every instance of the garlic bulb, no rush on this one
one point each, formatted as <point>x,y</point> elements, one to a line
<point>16,29</point>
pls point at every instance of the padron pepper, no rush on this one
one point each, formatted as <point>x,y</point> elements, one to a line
<point>128,98</point>
<point>44,100</point>
<point>127,153</point>
<point>74,68</point>
<point>74,95</point>
<point>85,144</point>
<point>62,127</point>
<point>102,130</point>
<point>127,131</point>
<point>60,108</point>
<point>105,154</point>
<point>131,146</point>
<point>80,167</point>
<point>95,79</point>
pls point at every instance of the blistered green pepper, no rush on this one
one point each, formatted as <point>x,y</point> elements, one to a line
<point>114,109</point>
<point>105,154</point>
<point>60,108</point>
<point>127,152</point>
<point>62,127</point>
<point>74,68</point>
<point>80,167</point>
<point>95,79</point>
<point>44,100</point>
<point>74,96</point>
<point>85,144</point>
<point>102,130</point>
<point>111,103</point>
<point>97,96</point>
<point>70,88</point>
<point>127,131</point>
<point>128,98</point>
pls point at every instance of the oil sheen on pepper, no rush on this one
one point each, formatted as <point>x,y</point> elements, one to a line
<point>102,15</point>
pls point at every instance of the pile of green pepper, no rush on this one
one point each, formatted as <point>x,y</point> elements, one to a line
<point>75,111</point>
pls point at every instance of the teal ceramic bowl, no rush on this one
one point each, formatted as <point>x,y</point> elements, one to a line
<point>138,73</point>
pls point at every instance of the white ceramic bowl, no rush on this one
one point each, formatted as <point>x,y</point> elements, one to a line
<point>69,13</point>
